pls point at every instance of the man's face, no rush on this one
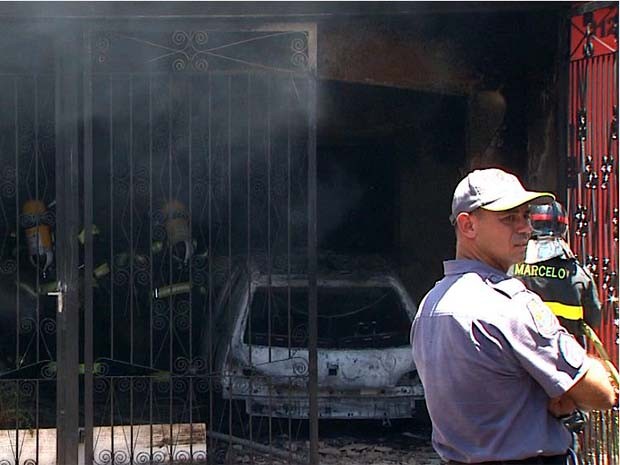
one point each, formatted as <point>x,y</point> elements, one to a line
<point>502,237</point>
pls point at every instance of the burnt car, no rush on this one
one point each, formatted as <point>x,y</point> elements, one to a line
<point>365,367</point>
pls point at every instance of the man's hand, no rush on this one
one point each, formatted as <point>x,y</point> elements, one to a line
<point>561,406</point>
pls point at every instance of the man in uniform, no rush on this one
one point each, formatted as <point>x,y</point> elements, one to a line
<point>553,272</point>
<point>497,367</point>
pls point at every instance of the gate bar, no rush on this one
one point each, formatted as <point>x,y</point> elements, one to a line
<point>88,253</point>
<point>313,414</point>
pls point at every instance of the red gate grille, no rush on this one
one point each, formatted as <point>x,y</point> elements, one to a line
<point>593,157</point>
<point>593,191</point>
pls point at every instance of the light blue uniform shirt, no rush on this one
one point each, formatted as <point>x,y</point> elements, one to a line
<point>490,355</point>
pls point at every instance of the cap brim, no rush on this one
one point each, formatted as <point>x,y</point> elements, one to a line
<point>514,201</point>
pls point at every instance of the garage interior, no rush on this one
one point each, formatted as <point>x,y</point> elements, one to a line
<point>408,104</point>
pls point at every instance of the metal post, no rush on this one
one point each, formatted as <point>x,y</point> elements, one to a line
<point>67,74</point>
<point>88,255</point>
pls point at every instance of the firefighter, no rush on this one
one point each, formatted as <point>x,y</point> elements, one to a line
<point>553,272</point>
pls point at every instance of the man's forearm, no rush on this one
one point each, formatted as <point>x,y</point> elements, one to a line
<point>595,390</point>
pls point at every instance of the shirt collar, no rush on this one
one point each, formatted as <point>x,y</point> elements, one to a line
<point>462,266</point>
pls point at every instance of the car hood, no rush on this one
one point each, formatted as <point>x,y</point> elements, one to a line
<point>337,369</point>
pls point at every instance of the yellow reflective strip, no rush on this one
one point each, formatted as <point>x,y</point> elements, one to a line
<point>570,312</point>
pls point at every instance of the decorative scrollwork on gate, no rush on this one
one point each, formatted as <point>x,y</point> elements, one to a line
<point>160,322</point>
<point>141,182</point>
<point>105,457</point>
<point>121,457</point>
<point>160,307</point>
<point>26,388</point>
<point>142,457</point>
<point>27,325</point>
<point>7,189</point>
<point>8,173</point>
<point>140,384</point>
<point>120,183</point>
<point>102,369</point>
<point>220,455</point>
<point>300,334</point>
<point>201,51</point>
<point>181,365</point>
<point>8,266</point>
<point>121,276</point>
<point>299,383</point>
<point>218,385</point>
<point>198,365</point>
<point>159,457</point>
<point>300,366</point>
<point>202,386</point>
<point>182,456</point>
<point>102,47</point>
<point>181,318</point>
<point>180,385</point>
<point>299,46</point>
<point>200,269</point>
<point>162,387</point>
<point>141,277</point>
<point>33,220</point>
<point>101,385</point>
<point>48,326</point>
<point>159,231</point>
<point>48,370</point>
<point>124,384</point>
<point>190,50</point>
<point>240,385</point>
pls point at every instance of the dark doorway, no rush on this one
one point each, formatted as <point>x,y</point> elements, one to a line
<point>388,160</point>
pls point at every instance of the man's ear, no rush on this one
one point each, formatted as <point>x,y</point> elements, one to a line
<point>466,224</point>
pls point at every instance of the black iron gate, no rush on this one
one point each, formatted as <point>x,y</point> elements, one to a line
<point>146,167</point>
<point>198,160</point>
<point>38,228</point>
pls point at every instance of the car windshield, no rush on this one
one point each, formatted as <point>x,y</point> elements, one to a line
<point>349,317</point>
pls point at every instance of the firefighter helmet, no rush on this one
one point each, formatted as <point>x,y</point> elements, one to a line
<point>549,220</point>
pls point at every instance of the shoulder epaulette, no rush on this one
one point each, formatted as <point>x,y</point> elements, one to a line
<point>507,286</point>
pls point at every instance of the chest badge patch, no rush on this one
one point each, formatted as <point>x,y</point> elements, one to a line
<point>571,351</point>
<point>544,319</point>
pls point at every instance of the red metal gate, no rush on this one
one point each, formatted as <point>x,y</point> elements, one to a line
<point>593,186</point>
<point>593,156</point>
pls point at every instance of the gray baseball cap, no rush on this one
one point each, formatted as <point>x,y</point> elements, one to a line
<point>495,190</point>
